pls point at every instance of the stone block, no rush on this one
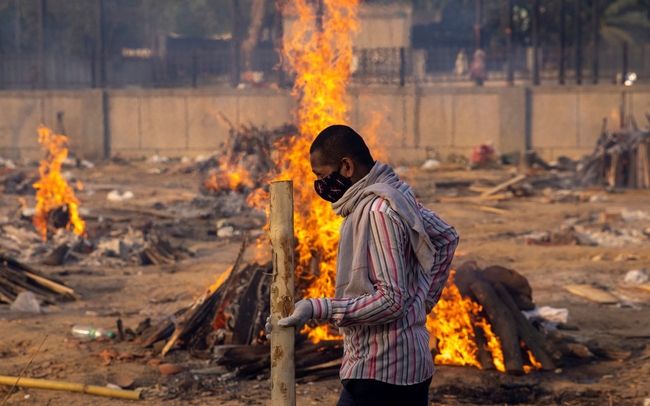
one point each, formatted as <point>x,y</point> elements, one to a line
<point>71,107</point>
<point>265,110</point>
<point>388,118</point>
<point>125,122</point>
<point>640,101</point>
<point>19,120</point>
<point>554,120</point>
<point>435,121</point>
<point>407,156</point>
<point>207,127</point>
<point>594,107</point>
<point>476,119</point>
<point>164,122</point>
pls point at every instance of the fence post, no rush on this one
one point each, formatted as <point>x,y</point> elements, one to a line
<point>195,69</point>
<point>578,18</point>
<point>100,54</point>
<point>283,376</point>
<point>625,62</point>
<point>42,17</point>
<point>595,28</point>
<point>562,41</point>
<point>510,75</point>
<point>402,66</point>
<point>535,34</point>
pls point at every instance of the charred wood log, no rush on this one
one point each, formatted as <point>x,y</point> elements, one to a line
<point>484,356</point>
<point>16,277</point>
<point>529,334</point>
<point>503,324</point>
<point>516,284</point>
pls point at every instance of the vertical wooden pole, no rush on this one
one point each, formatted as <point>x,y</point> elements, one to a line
<point>283,377</point>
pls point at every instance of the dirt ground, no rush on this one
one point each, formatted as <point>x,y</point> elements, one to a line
<point>133,293</point>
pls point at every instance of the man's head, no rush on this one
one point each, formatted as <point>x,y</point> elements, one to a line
<point>339,148</point>
<point>339,158</point>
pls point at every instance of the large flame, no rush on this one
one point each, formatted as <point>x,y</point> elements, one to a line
<point>319,51</point>
<point>52,191</point>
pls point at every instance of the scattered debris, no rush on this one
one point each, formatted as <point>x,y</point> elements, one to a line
<point>430,164</point>
<point>637,277</point>
<point>592,293</point>
<point>26,302</point>
<point>116,196</point>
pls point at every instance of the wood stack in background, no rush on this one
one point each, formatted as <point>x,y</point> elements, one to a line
<point>621,159</point>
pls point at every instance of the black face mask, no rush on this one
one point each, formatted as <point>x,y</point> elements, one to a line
<point>332,187</point>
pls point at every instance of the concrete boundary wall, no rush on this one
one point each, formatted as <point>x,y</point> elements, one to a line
<point>410,123</point>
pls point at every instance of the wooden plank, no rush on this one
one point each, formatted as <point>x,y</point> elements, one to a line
<point>58,288</point>
<point>629,334</point>
<point>504,185</point>
<point>490,209</point>
<point>631,169</point>
<point>592,293</point>
<point>142,210</point>
<point>611,175</point>
<point>472,199</point>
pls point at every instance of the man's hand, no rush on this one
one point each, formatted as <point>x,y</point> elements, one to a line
<point>301,315</point>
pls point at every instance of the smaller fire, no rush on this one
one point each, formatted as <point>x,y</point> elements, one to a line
<point>452,323</point>
<point>234,178</point>
<point>52,191</point>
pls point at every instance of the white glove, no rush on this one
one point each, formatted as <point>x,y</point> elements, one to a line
<point>301,315</point>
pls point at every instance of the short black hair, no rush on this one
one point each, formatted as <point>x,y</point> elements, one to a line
<point>340,141</point>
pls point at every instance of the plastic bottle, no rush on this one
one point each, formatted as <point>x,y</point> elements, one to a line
<point>92,333</point>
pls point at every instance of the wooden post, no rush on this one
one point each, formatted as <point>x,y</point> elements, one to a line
<point>283,376</point>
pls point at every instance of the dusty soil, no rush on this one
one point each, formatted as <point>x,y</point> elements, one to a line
<point>133,293</point>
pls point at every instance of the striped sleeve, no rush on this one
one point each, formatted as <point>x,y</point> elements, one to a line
<point>386,263</point>
<point>445,239</point>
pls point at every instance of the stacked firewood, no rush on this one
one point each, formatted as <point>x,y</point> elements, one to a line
<point>227,326</point>
<point>503,294</point>
<point>16,278</point>
<point>621,159</point>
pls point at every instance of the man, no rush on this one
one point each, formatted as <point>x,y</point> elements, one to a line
<point>393,261</point>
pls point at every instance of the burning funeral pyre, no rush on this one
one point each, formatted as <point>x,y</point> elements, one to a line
<point>478,325</point>
<point>62,236</point>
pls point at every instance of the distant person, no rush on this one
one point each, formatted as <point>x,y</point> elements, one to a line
<point>478,71</point>
<point>460,68</point>
<point>393,260</point>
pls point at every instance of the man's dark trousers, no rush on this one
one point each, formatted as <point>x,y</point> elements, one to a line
<point>368,392</point>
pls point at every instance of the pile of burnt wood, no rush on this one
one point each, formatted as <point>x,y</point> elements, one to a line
<point>621,159</point>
